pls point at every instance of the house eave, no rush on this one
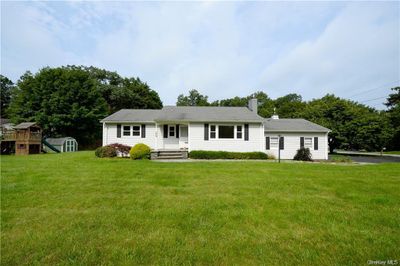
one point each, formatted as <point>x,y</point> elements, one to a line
<point>300,131</point>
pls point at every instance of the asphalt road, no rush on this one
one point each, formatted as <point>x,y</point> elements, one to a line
<point>373,159</point>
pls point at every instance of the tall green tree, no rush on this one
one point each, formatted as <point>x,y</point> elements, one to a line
<point>289,106</point>
<point>265,104</point>
<point>193,99</point>
<point>353,125</point>
<point>6,90</point>
<point>65,101</point>
<point>71,100</point>
<point>393,104</point>
<point>124,93</point>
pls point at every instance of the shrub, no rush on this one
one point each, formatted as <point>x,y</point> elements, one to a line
<point>122,150</point>
<point>340,159</point>
<point>140,151</point>
<point>209,155</point>
<point>105,151</point>
<point>303,154</point>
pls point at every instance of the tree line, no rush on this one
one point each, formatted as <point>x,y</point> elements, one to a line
<point>354,126</point>
<point>71,101</point>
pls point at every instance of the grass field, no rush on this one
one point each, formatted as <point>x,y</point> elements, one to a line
<point>78,209</point>
<point>392,152</point>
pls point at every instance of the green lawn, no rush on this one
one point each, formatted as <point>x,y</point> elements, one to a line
<point>392,152</point>
<point>78,209</point>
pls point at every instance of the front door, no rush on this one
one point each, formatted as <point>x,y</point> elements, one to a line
<point>183,137</point>
<point>171,142</point>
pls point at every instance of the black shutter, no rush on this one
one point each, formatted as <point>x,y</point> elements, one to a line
<point>165,131</point>
<point>316,143</point>
<point>143,130</point>
<point>177,131</point>
<point>267,143</point>
<point>118,131</point>
<point>205,131</point>
<point>282,143</point>
<point>301,142</point>
<point>246,132</point>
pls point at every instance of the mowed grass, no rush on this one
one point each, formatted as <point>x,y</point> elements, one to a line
<point>78,209</point>
<point>392,152</point>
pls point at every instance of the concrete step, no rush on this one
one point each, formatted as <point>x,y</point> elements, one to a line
<point>170,153</point>
<point>169,157</point>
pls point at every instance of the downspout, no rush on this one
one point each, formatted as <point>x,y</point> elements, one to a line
<point>156,137</point>
<point>188,136</point>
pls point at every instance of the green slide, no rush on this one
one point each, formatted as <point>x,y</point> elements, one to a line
<point>51,147</point>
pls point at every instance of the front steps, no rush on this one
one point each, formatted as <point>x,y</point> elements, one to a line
<point>169,155</point>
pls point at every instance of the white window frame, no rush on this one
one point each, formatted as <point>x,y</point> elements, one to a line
<point>310,145</point>
<point>215,131</point>
<point>234,131</point>
<point>173,131</point>
<point>131,131</point>
<point>241,131</point>
<point>123,130</point>
<point>273,144</point>
<point>139,131</point>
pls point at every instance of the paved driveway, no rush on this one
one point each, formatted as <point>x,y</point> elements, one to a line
<point>373,159</point>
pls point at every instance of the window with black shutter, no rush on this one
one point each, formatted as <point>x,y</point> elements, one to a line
<point>246,132</point>
<point>205,131</point>
<point>282,143</point>
<point>316,143</point>
<point>267,143</point>
<point>301,142</point>
<point>177,131</point>
<point>118,131</point>
<point>165,131</point>
<point>143,130</point>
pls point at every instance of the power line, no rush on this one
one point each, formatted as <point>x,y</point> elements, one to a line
<point>372,99</point>
<point>362,92</point>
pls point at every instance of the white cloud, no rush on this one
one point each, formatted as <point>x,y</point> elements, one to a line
<point>223,49</point>
<point>359,50</point>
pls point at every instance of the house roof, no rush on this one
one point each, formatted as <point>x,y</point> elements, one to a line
<point>25,125</point>
<point>186,114</point>
<point>133,115</point>
<point>4,121</point>
<point>208,114</point>
<point>295,125</point>
<point>57,141</point>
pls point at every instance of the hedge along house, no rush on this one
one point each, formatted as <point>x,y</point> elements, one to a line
<point>238,129</point>
<point>66,144</point>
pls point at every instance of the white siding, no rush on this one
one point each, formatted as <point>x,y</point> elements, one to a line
<point>110,135</point>
<point>197,142</point>
<point>292,144</point>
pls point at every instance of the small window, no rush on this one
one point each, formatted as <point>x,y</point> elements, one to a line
<point>172,131</point>
<point>273,142</point>
<point>21,146</point>
<point>308,143</point>
<point>239,132</point>
<point>135,130</point>
<point>226,132</point>
<point>127,130</point>
<point>213,131</point>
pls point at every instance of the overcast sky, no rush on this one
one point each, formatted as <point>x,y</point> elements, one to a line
<point>223,49</point>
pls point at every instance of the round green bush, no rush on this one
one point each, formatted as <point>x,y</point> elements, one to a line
<point>140,151</point>
<point>105,151</point>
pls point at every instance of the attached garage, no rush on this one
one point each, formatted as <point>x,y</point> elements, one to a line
<point>67,144</point>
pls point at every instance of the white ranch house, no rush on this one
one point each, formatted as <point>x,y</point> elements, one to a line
<point>238,129</point>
